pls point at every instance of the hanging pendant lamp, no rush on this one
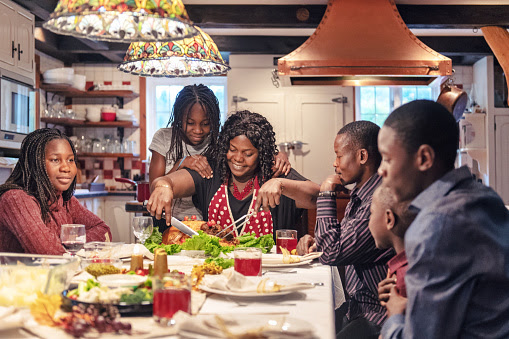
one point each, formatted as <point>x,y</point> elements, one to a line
<point>195,56</point>
<point>121,20</point>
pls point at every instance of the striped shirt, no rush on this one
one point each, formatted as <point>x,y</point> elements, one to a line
<point>351,244</point>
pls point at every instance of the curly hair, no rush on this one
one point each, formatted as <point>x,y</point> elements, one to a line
<point>259,132</point>
<point>186,98</point>
<point>30,173</point>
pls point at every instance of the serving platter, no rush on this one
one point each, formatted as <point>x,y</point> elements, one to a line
<point>142,309</point>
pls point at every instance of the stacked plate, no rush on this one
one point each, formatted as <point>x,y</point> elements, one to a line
<point>59,76</point>
<point>125,115</point>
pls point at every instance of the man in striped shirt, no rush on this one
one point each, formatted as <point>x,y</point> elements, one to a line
<point>349,242</point>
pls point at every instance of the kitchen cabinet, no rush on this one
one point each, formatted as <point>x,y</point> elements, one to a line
<point>17,44</point>
<point>94,205</point>
<point>118,219</point>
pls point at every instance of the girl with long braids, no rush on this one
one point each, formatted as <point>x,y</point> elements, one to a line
<point>190,141</point>
<point>38,197</point>
<point>243,182</point>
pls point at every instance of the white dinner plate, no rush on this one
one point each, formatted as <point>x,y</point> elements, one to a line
<point>275,265</point>
<point>251,295</point>
<point>121,280</point>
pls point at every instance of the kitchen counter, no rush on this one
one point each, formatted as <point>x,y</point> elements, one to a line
<point>84,193</point>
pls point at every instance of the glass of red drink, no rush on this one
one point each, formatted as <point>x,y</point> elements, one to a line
<point>248,261</point>
<point>172,293</point>
<point>286,239</point>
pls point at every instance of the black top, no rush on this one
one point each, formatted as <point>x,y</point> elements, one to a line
<point>284,216</point>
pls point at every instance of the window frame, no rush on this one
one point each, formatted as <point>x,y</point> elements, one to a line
<point>152,83</point>
<point>396,94</point>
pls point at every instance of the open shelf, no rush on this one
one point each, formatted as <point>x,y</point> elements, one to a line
<point>71,92</point>
<point>108,155</point>
<point>81,123</point>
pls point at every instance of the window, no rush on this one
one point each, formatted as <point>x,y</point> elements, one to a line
<point>161,94</point>
<point>375,103</point>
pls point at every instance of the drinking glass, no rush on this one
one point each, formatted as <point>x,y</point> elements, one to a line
<point>142,228</point>
<point>172,293</point>
<point>73,237</point>
<point>286,239</point>
<point>248,261</point>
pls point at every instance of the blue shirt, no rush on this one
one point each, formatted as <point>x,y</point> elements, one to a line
<point>458,258</point>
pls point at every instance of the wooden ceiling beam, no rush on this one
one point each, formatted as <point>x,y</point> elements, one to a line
<point>309,16</point>
<point>240,44</point>
<point>285,16</point>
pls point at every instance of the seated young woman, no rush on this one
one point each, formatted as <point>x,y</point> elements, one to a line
<point>242,182</point>
<point>37,198</point>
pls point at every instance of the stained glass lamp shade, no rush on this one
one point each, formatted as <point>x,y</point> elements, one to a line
<point>196,56</point>
<point>122,20</point>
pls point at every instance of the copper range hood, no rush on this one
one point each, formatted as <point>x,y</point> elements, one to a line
<point>362,43</point>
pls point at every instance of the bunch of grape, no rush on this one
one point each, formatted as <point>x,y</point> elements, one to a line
<point>86,318</point>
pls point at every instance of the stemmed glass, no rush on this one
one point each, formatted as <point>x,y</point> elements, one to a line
<point>142,228</point>
<point>73,237</point>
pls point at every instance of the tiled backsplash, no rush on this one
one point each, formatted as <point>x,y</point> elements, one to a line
<point>108,169</point>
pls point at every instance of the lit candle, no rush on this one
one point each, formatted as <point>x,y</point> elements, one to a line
<point>136,260</point>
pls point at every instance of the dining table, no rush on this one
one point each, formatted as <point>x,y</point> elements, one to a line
<point>312,308</point>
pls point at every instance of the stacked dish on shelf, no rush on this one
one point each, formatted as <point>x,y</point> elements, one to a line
<point>64,76</point>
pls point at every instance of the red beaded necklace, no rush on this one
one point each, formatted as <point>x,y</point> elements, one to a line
<point>247,189</point>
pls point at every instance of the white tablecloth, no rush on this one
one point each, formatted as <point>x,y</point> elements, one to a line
<point>316,306</point>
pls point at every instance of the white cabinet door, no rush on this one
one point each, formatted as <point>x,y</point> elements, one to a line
<point>317,120</point>
<point>271,106</point>
<point>94,205</point>
<point>98,207</point>
<point>7,17</point>
<point>118,219</point>
<point>307,122</point>
<point>502,156</point>
<point>25,43</point>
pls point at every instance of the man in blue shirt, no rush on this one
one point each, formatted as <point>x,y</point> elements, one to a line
<point>458,246</point>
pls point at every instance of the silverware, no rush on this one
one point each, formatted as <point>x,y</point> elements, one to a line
<point>246,217</point>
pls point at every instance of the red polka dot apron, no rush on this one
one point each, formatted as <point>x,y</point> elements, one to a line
<point>220,212</point>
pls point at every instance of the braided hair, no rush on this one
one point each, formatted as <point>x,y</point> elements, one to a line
<point>30,173</point>
<point>186,98</point>
<point>259,132</point>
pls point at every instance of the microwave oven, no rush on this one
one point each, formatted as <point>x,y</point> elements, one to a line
<point>17,112</point>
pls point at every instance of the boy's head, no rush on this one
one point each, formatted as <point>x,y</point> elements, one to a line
<point>389,219</point>
<point>418,143</point>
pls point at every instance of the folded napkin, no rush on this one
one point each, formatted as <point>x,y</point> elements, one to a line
<point>232,281</point>
<point>273,259</point>
<point>241,326</point>
<point>10,318</point>
<point>125,251</point>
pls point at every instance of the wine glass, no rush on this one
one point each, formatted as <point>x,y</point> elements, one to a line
<point>73,237</point>
<point>142,228</point>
